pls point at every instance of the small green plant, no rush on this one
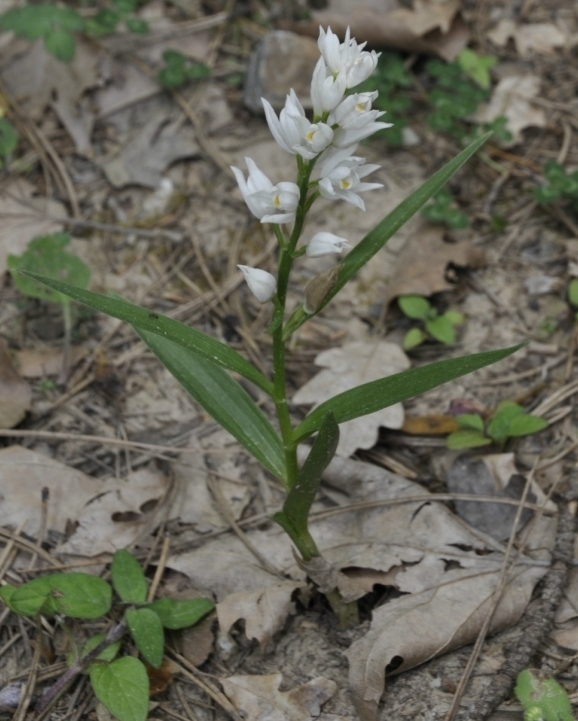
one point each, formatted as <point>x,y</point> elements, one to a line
<point>120,684</point>
<point>443,210</point>
<point>56,25</point>
<point>477,67</point>
<point>561,185</point>
<point>8,141</point>
<point>179,70</point>
<point>46,255</point>
<point>573,295</point>
<point>542,698</point>
<point>509,421</point>
<point>441,326</point>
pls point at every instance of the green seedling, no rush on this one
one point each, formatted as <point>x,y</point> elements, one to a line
<point>179,70</point>
<point>560,186</point>
<point>573,295</point>
<point>543,699</point>
<point>477,67</point>
<point>120,683</point>
<point>209,369</point>
<point>106,20</point>
<point>509,421</point>
<point>8,141</point>
<point>443,210</point>
<point>46,255</point>
<point>440,326</point>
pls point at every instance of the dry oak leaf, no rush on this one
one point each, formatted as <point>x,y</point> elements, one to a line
<point>541,38</point>
<point>429,27</point>
<point>347,367</point>
<point>512,99</point>
<point>15,393</point>
<point>422,267</point>
<point>415,628</point>
<point>258,698</point>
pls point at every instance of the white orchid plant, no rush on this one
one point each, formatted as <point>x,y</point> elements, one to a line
<point>327,167</point>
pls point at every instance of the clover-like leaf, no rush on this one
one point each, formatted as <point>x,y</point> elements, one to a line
<point>176,614</point>
<point>123,687</point>
<point>147,632</point>
<point>128,578</point>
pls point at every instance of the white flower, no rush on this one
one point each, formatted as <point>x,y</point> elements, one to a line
<point>262,284</point>
<point>355,111</point>
<point>341,175</point>
<point>293,131</point>
<point>344,137</point>
<point>270,203</point>
<point>347,58</point>
<point>327,89</point>
<point>324,243</point>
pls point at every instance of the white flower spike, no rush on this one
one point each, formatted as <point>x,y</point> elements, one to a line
<point>270,203</point>
<point>341,176</point>
<point>346,58</point>
<point>324,243</point>
<point>327,89</point>
<point>261,283</point>
<point>293,131</point>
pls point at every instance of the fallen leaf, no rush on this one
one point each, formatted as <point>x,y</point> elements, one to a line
<point>120,512</point>
<point>429,27</point>
<point>422,267</point>
<point>512,99</point>
<point>24,216</point>
<point>23,476</point>
<point>437,424</point>
<point>42,362</point>
<point>530,38</point>
<point>15,393</point>
<point>347,367</point>
<point>491,475</point>
<point>258,697</point>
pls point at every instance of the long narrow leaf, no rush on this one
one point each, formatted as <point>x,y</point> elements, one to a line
<point>138,317</point>
<point>227,402</point>
<point>378,237</point>
<point>374,396</point>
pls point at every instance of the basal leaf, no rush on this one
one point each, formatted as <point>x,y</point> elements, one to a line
<point>107,654</point>
<point>374,396</point>
<point>60,43</point>
<point>147,632</point>
<point>80,595</point>
<point>467,438</point>
<point>378,237</point>
<point>28,599</point>
<point>176,614</point>
<point>413,338</point>
<point>221,396</point>
<point>6,594</point>
<point>442,329</point>
<point>471,420</point>
<point>123,687</point>
<point>127,577</point>
<point>526,424</point>
<point>414,306</point>
<point>143,319</point>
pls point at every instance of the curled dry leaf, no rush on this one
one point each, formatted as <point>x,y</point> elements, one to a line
<point>540,38</point>
<point>347,367</point>
<point>258,698</point>
<point>429,27</point>
<point>424,262</point>
<point>512,99</point>
<point>15,393</point>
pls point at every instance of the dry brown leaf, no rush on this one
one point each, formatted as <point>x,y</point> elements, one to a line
<point>347,367</point>
<point>120,512</point>
<point>423,264</point>
<point>540,38</point>
<point>258,698</point>
<point>437,424</point>
<point>23,475</point>
<point>415,628</point>
<point>24,216</point>
<point>512,99</point>
<point>37,80</point>
<point>429,27</point>
<point>15,393</point>
<point>42,362</point>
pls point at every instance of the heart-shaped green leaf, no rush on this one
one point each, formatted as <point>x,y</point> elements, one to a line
<point>123,687</point>
<point>80,595</point>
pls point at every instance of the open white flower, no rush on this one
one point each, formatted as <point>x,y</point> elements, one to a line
<point>351,135</point>
<point>355,111</point>
<point>341,176</point>
<point>347,58</point>
<point>324,243</point>
<point>270,203</point>
<point>261,283</point>
<point>293,131</point>
<point>327,89</point>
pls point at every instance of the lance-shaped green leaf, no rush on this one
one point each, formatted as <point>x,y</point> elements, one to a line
<point>378,237</point>
<point>226,401</point>
<point>123,687</point>
<point>127,577</point>
<point>374,396</point>
<point>293,517</point>
<point>147,632</point>
<point>202,344</point>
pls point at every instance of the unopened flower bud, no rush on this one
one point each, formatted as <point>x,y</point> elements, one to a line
<point>317,290</point>
<point>324,243</point>
<point>262,284</point>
